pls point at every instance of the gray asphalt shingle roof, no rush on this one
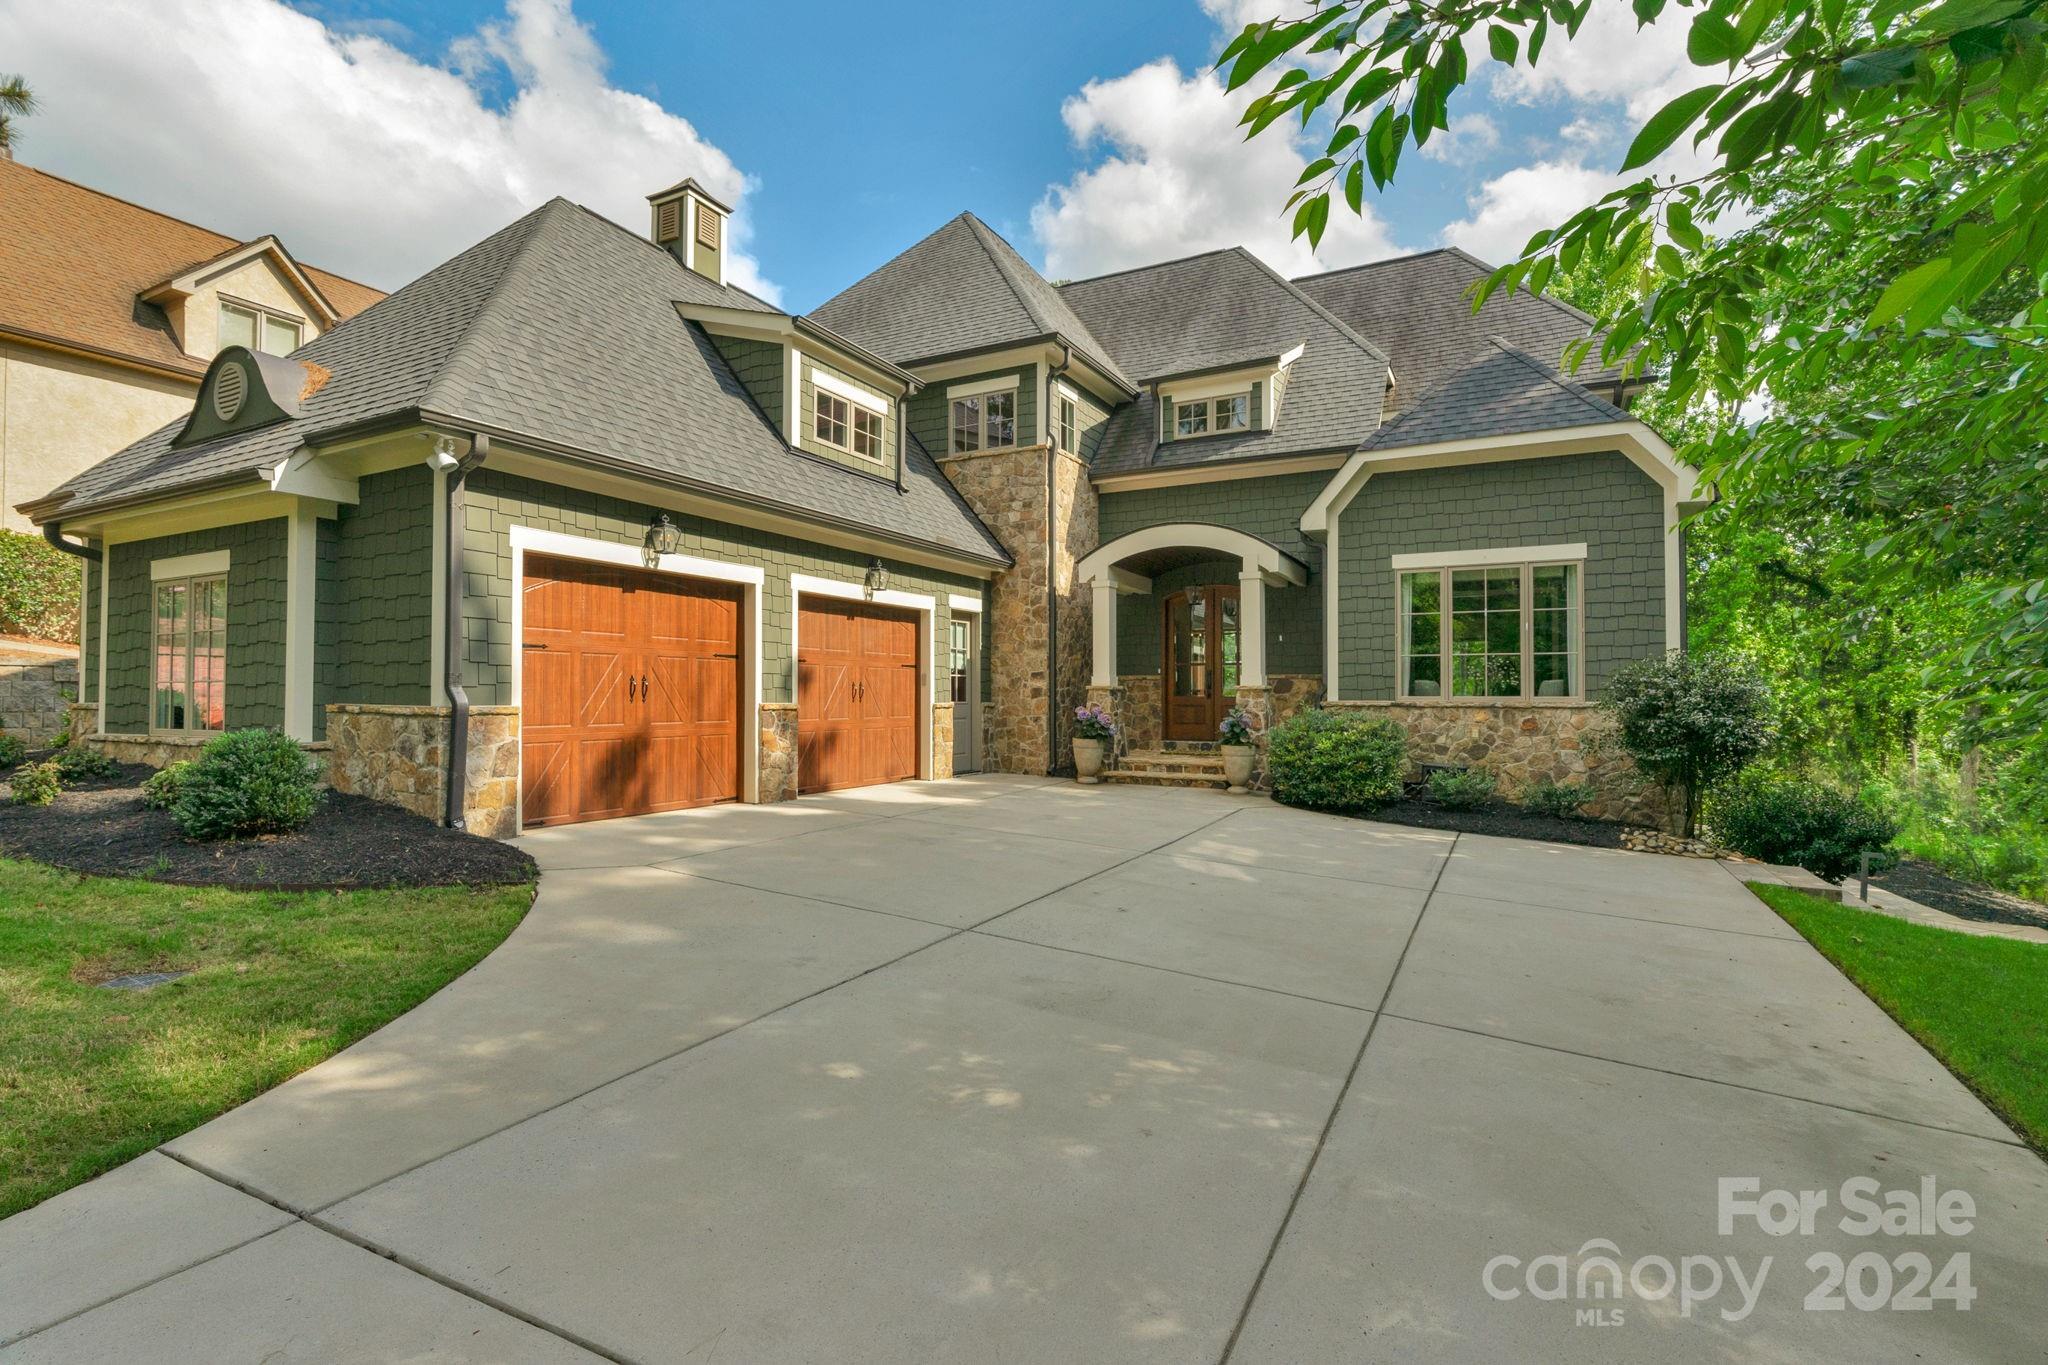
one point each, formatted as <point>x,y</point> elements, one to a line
<point>1499,392</point>
<point>961,289</point>
<point>562,328</point>
<point>1218,309</point>
<point>1417,310</point>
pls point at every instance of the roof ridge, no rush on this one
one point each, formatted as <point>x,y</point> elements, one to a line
<point>1154,265</point>
<point>1384,260</point>
<point>232,241</point>
<point>982,232</point>
<point>1344,328</point>
<point>1554,376</point>
<point>459,352</point>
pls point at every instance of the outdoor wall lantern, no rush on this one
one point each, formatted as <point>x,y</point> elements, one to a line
<point>662,538</point>
<point>877,579</point>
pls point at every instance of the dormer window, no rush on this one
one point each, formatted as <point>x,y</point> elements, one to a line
<point>1208,416</point>
<point>984,421</point>
<point>846,425</point>
<point>259,329</point>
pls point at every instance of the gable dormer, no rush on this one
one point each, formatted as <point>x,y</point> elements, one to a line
<point>254,295</point>
<point>691,226</point>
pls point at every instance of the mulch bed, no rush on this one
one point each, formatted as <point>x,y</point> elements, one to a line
<point>1498,818</point>
<point>102,828</point>
<point>1928,884</point>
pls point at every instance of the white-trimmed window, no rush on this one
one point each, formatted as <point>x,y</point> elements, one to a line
<point>1067,431</point>
<point>867,432</point>
<point>1208,416</point>
<point>1506,631</point>
<point>189,654</point>
<point>985,421</point>
<point>258,329</point>
<point>829,419</point>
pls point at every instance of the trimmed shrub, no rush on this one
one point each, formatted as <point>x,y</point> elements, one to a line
<point>37,784</point>
<point>1559,800</point>
<point>1784,820</point>
<point>1691,720</point>
<point>78,764</point>
<point>247,782</point>
<point>162,788</point>
<point>12,751</point>
<point>38,588</point>
<point>1337,760</point>
<point>1460,788</point>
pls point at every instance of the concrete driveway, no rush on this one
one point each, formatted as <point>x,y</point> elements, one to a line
<point>1002,1069</point>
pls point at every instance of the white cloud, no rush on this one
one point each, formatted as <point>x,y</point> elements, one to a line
<point>1175,177</point>
<point>1510,208</point>
<point>1608,59</point>
<point>249,117</point>
<point>1468,137</point>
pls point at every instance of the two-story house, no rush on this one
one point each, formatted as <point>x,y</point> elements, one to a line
<point>576,522</point>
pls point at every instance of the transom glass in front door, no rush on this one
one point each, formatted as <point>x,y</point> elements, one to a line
<point>1201,660</point>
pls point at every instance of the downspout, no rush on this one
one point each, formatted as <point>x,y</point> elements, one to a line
<point>1048,426</point>
<point>902,437</point>
<point>452,647</point>
<point>54,533</point>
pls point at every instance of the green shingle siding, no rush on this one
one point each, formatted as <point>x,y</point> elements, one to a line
<point>256,603</point>
<point>1602,500</point>
<point>496,502</point>
<point>931,412</point>
<point>758,366</point>
<point>383,594</point>
<point>326,621</point>
<point>807,438</point>
<point>1270,508</point>
<point>89,636</point>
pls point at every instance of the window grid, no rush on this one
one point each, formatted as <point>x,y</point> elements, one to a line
<point>829,412</point>
<point>257,329</point>
<point>189,655</point>
<point>1500,632</point>
<point>985,421</point>
<point>1211,416</point>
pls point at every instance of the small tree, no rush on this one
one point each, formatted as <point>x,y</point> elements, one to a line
<point>1690,720</point>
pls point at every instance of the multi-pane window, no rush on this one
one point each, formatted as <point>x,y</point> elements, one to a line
<point>958,657</point>
<point>867,432</point>
<point>258,330</point>
<point>1495,631</point>
<point>1069,427</point>
<point>985,421</point>
<point>190,654</point>
<point>829,412</point>
<point>1203,416</point>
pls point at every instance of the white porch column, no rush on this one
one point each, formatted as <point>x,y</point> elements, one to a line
<point>1103,672</point>
<point>1251,629</point>
<point>301,575</point>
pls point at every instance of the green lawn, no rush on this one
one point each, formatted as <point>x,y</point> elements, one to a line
<point>90,1077</point>
<point>1976,1003</point>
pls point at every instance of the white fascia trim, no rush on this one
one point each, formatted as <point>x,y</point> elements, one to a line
<point>853,393</point>
<point>1066,391</point>
<point>959,602</point>
<point>1000,384</point>
<point>189,566</point>
<point>793,376</point>
<point>1257,555</point>
<point>537,540</point>
<point>926,607</point>
<point>1506,554</point>
<point>1215,386</point>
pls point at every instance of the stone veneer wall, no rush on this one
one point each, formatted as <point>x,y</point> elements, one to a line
<point>398,754</point>
<point>1143,699</point>
<point>35,695</point>
<point>778,752</point>
<point>1522,744</point>
<point>1006,489</point>
<point>942,740</point>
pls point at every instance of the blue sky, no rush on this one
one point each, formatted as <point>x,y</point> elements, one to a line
<point>1090,135</point>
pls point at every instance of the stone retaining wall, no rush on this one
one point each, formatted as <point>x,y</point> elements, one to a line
<point>398,754</point>
<point>35,692</point>
<point>1521,744</point>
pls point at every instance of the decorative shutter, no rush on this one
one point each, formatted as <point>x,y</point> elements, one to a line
<point>668,221</point>
<point>707,227</point>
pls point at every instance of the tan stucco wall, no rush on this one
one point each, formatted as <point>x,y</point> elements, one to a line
<point>60,414</point>
<point>258,281</point>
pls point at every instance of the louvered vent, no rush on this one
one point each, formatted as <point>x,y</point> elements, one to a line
<point>668,221</point>
<point>707,227</point>
<point>230,387</point>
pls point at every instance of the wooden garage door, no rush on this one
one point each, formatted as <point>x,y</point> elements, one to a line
<point>629,691</point>
<point>856,695</point>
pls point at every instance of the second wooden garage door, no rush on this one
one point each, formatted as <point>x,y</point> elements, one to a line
<point>629,691</point>
<point>856,695</point>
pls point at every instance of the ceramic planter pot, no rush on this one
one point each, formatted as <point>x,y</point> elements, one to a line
<point>1088,760</point>
<point>1237,766</point>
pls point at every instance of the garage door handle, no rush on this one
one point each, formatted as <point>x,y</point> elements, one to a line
<point>631,681</point>
<point>644,693</point>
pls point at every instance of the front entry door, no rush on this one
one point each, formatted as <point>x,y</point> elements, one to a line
<point>1201,660</point>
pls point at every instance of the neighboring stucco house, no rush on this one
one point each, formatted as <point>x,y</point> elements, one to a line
<point>109,314</point>
<point>577,519</point>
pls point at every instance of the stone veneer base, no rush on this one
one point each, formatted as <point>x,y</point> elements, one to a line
<point>398,754</point>
<point>1523,744</point>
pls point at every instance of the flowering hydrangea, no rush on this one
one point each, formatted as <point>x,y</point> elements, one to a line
<point>1093,722</point>
<point>1236,727</point>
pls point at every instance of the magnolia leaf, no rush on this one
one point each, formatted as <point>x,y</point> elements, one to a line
<point>1667,124</point>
